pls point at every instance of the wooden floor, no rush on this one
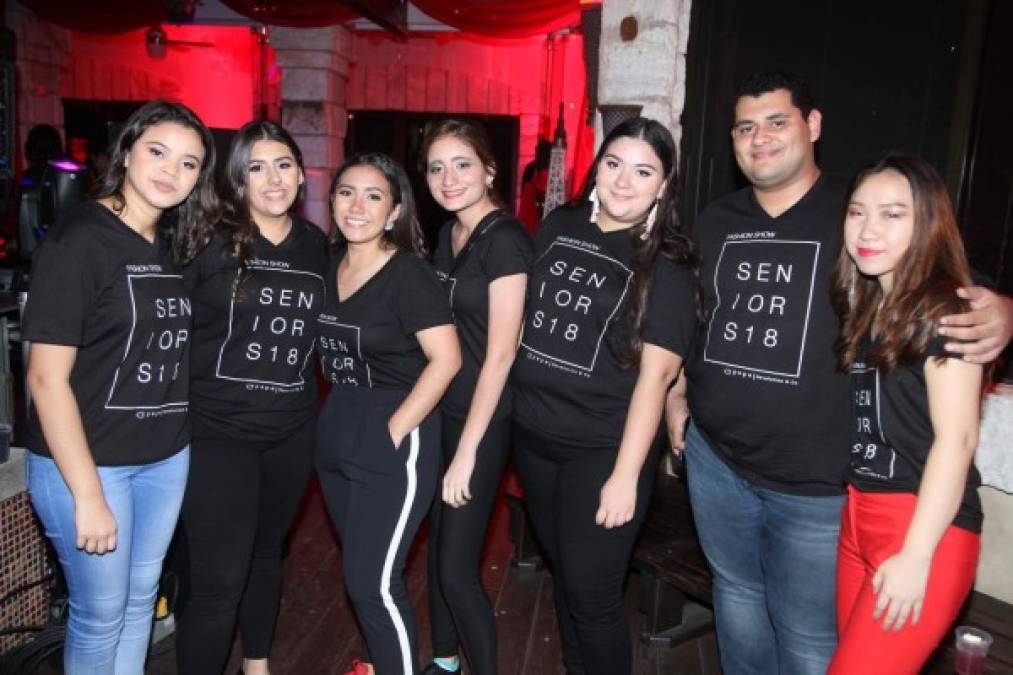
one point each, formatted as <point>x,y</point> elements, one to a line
<point>317,632</point>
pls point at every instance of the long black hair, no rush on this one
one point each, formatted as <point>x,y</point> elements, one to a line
<point>237,225</point>
<point>406,235</point>
<point>188,225</point>
<point>667,237</point>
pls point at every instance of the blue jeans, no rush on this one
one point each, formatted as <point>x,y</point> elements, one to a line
<point>774,559</point>
<point>112,596</point>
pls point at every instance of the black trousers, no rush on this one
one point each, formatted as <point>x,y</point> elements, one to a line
<point>377,496</point>
<point>240,499</point>
<point>562,492</point>
<point>459,608</point>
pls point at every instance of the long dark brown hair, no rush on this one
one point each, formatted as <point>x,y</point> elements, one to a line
<point>406,234</point>
<point>188,226</point>
<point>926,277</point>
<point>237,225</point>
<point>667,239</point>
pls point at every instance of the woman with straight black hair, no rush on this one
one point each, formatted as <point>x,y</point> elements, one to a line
<point>483,256</point>
<point>389,350</point>
<point>611,311</point>
<point>257,290</point>
<point>108,318</point>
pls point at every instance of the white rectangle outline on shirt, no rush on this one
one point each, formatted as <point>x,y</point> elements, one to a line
<point>126,350</point>
<point>615,309</point>
<point>879,421</point>
<point>808,309</point>
<point>232,305</point>
<point>358,344</point>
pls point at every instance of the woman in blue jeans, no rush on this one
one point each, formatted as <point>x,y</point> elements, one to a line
<point>109,323</point>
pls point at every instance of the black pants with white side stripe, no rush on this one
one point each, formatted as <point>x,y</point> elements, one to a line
<point>377,496</point>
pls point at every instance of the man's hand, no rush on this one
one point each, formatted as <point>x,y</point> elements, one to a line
<point>985,330</point>
<point>676,418</point>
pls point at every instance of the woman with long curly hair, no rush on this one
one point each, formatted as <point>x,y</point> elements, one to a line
<point>611,311</point>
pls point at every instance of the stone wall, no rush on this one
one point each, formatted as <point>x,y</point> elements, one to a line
<point>452,73</point>
<point>315,65</point>
<point>41,51</point>
<point>650,69</point>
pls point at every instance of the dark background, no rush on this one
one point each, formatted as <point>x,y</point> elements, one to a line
<point>926,76</point>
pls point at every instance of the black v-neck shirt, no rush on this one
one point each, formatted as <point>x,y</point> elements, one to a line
<point>368,339</point>
<point>569,382</point>
<point>763,381</point>
<point>891,432</point>
<point>499,246</point>
<point>252,346</point>
<point>99,286</point>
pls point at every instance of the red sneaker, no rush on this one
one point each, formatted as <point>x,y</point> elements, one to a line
<point>358,668</point>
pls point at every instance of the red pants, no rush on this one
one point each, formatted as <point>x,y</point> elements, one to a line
<point>873,528</point>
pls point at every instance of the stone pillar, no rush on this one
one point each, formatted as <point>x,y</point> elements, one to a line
<point>41,51</point>
<point>649,69</point>
<point>315,65</point>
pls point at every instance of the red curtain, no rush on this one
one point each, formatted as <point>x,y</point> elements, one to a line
<point>108,16</point>
<point>495,18</point>
<point>293,13</point>
<point>504,18</point>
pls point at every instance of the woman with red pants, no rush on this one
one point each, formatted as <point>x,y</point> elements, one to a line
<point>910,531</point>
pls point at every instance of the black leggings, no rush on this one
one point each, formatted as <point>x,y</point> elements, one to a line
<point>562,492</point>
<point>459,607</point>
<point>239,502</point>
<point>377,496</point>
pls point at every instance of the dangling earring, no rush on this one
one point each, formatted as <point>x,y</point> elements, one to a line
<point>389,226</point>
<point>851,287</point>
<point>595,206</point>
<point>649,223</point>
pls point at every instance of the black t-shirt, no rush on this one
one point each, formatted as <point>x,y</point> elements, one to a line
<point>252,347</point>
<point>891,432</point>
<point>568,381</point>
<point>499,247</point>
<point>368,339</point>
<point>763,381</point>
<point>99,286</point>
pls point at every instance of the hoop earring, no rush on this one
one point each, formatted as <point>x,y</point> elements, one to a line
<point>595,206</point>
<point>649,223</point>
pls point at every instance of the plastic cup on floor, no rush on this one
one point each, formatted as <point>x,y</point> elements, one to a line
<point>972,647</point>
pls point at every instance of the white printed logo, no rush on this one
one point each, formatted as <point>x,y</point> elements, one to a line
<point>561,325</point>
<point>152,373</point>
<point>764,292</point>
<point>871,456</point>
<point>269,341</point>
<point>341,349</point>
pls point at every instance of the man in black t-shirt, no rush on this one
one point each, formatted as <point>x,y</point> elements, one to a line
<point>768,443</point>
